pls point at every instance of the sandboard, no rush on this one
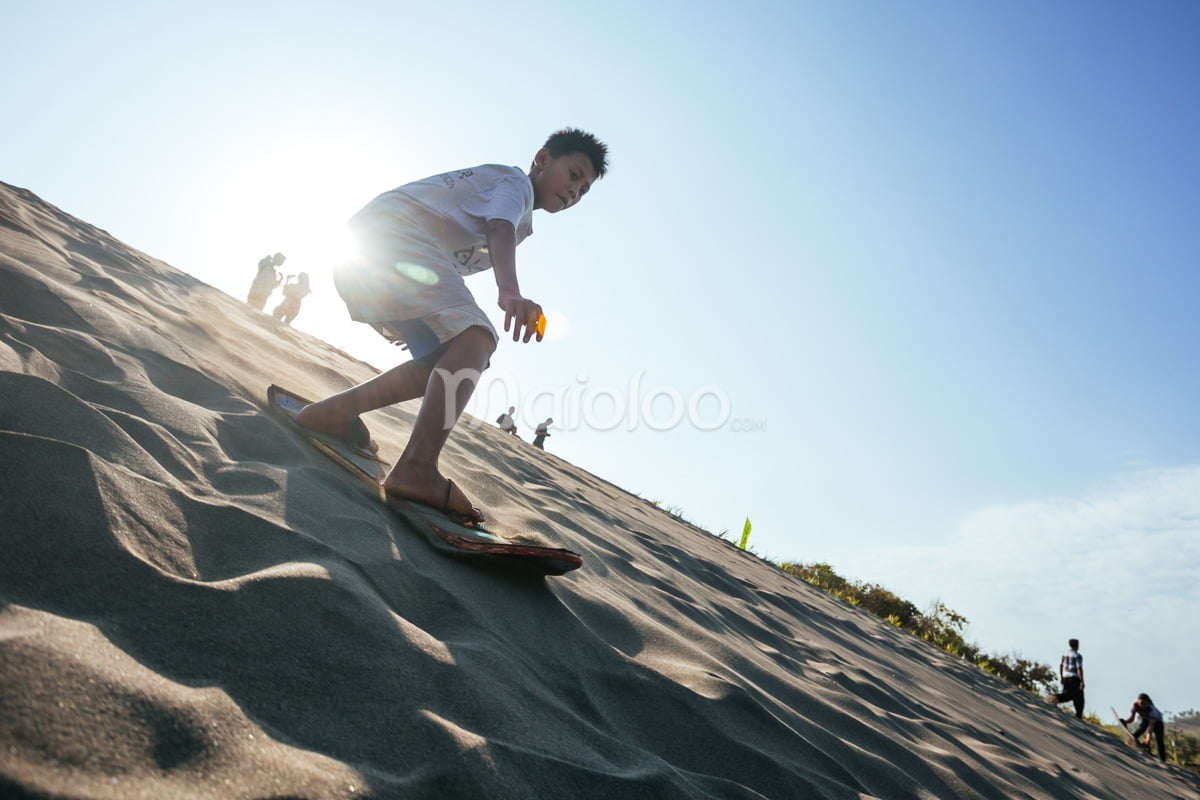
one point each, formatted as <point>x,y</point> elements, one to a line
<point>1126,734</point>
<point>472,543</point>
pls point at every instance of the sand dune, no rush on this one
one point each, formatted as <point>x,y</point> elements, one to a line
<point>195,604</point>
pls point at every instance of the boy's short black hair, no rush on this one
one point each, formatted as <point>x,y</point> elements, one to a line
<point>573,140</point>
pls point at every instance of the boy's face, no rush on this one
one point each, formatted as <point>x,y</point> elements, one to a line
<point>560,182</point>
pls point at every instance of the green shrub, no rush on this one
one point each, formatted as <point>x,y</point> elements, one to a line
<point>938,625</point>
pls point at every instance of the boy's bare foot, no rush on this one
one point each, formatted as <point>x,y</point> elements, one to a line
<point>434,491</point>
<point>321,418</point>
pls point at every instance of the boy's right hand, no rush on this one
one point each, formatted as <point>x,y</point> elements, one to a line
<point>521,314</point>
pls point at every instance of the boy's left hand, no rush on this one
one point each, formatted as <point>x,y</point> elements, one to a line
<point>521,314</point>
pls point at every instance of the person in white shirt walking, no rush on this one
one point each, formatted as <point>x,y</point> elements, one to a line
<point>1070,672</point>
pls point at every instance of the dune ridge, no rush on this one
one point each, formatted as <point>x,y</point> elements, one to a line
<point>195,604</point>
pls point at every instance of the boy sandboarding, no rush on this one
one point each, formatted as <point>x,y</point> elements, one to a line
<point>415,245</point>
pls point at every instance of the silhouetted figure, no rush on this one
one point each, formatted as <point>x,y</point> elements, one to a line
<point>505,421</point>
<point>293,292</point>
<point>539,435</point>
<point>265,281</point>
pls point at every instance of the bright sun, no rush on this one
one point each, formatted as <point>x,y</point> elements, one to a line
<point>289,195</point>
<point>293,195</point>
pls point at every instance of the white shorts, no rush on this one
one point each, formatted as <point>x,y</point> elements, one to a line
<point>401,275</point>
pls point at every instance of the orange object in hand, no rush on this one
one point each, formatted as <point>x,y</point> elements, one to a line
<point>540,325</point>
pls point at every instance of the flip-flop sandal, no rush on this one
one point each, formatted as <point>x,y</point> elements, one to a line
<point>472,520</point>
<point>359,437</point>
<point>466,520</point>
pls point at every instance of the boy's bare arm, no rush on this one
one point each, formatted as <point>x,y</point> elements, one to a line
<point>520,313</point>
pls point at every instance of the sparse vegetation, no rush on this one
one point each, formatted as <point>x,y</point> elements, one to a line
<point>1183,748</point>
<point>938,625</point>
<point>674,511</point>
<point>941,626</point>
<point>1183,745</point>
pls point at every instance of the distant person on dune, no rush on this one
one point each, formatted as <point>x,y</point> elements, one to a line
<point>1070,671</point>
<point>293,292</point>
<point>1149,718</point>
<point>506,422</point>
<point>540,434</point>
<point>265,281</point>
<point>416,243</point>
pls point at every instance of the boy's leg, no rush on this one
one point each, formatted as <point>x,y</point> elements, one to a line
<point>334,414</point>
<point>449,387</point>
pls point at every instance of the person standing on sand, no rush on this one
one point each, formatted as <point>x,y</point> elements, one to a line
<point>1150,718</point>
<point>293,293</point>
<point>539,435</point>
<point>506,422</point>
<point>416,244</point>
<point>1070,672</point>
<point>265,281</point>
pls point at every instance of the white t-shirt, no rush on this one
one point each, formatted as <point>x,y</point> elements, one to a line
<point>1072,662</point>
<point>417,242</point>
<point>465,200</point>
<point>1148,715</point>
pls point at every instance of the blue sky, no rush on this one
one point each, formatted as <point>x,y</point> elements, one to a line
<point>930,270</point>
